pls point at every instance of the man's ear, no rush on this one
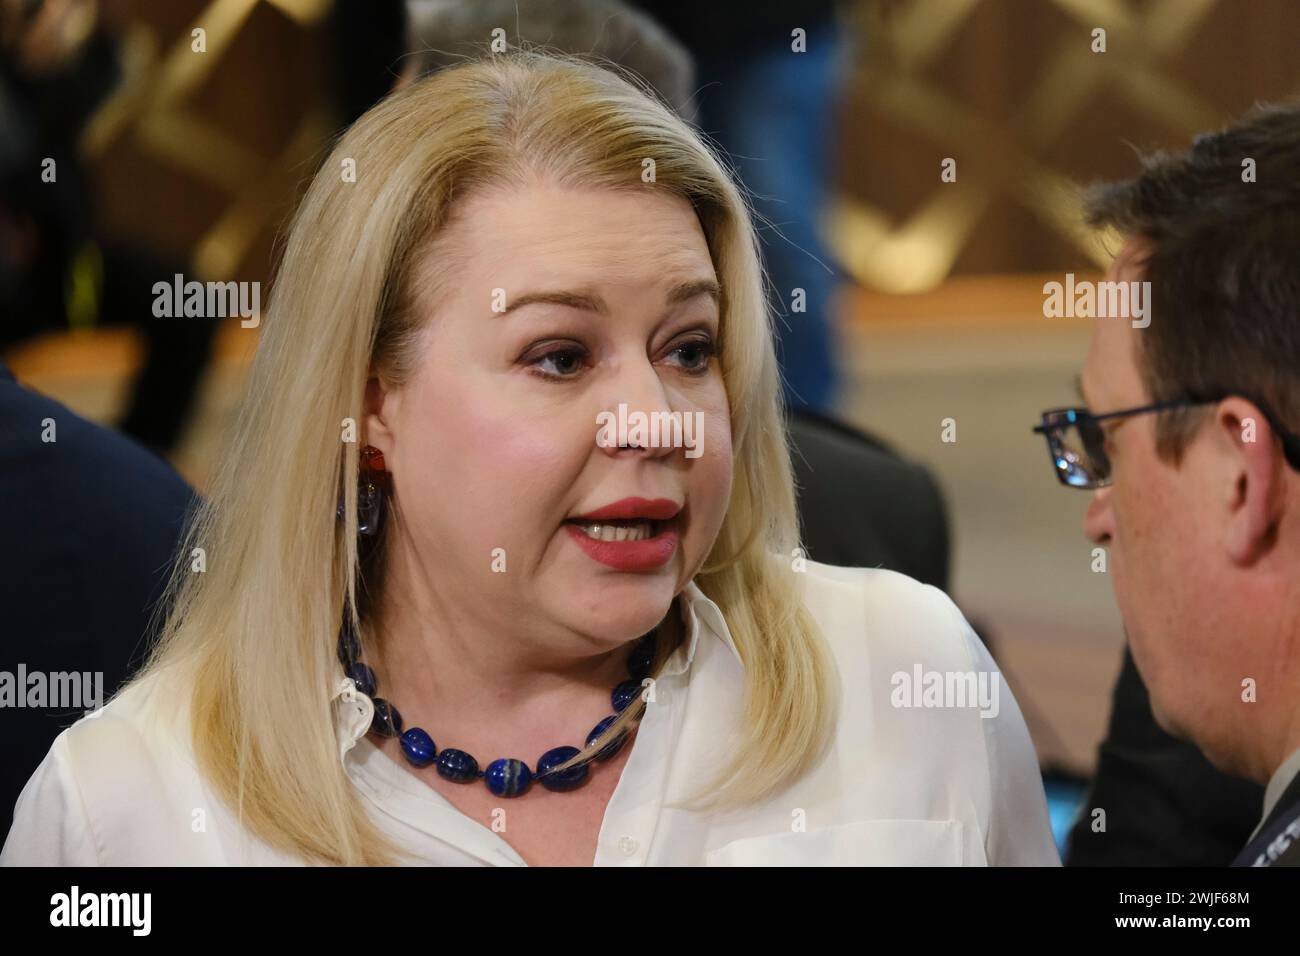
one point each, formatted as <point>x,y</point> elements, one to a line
<point>381,404</point>
<point>1256,489</point>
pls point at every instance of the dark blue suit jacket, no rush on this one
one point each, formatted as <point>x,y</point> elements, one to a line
<point>89,524</point>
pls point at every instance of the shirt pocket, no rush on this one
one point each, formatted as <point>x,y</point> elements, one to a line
<point>864,843</point>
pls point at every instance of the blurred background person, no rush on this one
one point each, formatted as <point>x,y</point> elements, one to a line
<point>91,521</point>
<point>767,79</point>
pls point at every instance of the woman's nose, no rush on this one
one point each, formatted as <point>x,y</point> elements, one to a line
<point>635,410</point>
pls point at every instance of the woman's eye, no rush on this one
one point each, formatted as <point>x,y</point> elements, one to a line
<point>561,363</point>
<point>567,363</point>
<point>696,354</point>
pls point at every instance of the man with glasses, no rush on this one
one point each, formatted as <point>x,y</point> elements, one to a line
<point>1189,441</point>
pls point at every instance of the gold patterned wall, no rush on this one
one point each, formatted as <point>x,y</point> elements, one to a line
<point>1014,91</point>
<point>202,152</point>
<point>205,152</point>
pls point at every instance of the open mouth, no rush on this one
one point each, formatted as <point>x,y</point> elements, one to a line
<point>619,529</point>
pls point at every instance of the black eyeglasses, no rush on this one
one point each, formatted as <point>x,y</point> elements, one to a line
<point>1077,441</point>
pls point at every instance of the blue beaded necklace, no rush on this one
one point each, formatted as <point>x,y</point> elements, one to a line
<point>508,776</point>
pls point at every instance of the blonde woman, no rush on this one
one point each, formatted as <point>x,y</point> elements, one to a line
<point>452,613</point>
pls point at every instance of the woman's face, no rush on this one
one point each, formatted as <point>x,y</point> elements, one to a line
<point>560,306</point>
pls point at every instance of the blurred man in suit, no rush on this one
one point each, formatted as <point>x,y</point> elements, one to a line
<point>90,521</point>
<point>1191,442</point>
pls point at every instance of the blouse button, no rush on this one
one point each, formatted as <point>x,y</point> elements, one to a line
<point>628,845</point>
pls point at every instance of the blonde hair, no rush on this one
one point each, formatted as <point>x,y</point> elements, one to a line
<point>255,635</point>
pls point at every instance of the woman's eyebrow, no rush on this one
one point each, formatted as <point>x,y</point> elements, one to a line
<point>590,302</point>
<point>689,290</point>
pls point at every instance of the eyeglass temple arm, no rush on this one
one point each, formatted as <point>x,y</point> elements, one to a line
<point>1080,414</point>
<point>1290,440</point>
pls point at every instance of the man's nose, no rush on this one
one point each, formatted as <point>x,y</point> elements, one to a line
<point>1099,519</point>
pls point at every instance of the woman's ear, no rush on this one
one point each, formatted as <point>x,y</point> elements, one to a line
<point>381,405</point>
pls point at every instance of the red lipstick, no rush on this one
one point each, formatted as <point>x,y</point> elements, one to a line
<point>644,555</point>
<point>657,509</point>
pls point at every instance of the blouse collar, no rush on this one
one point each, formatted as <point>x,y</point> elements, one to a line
<point>354,711</point>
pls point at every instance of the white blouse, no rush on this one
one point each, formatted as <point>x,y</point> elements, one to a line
<point>912,777</point>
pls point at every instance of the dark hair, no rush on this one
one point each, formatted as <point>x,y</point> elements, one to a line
<point>1224,271</point>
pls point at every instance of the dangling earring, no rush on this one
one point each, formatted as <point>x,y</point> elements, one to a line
<point>371,491</point>
<point>372,486</point>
